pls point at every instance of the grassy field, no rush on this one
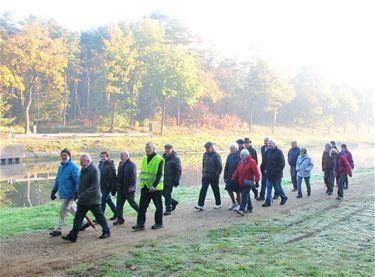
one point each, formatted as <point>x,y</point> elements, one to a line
<point>313,241</point>
<point>15,221</point>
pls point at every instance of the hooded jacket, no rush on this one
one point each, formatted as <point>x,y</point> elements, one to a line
<point>304,166</point>
<point>246,171</point>
<point>172,169</point>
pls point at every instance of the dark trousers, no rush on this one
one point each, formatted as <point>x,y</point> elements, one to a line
<point>107,199</point>
<point>215,188</point>
<point>264,186</point>
<point>245,199</point>
<point>329,180</point>
<point>169,201</point>
<point>122,197</point>
<point>346,182</point>
<point>340,185</point>
<point>293,176</point>
<point>80,214</point>
<point>144,202</point>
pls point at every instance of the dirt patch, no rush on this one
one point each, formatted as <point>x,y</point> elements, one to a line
<point>38,254</point>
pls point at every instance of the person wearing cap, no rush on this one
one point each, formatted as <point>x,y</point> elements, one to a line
<point>241,144</point>
<point>211,171</point>
<point>293,155</point>
<point>231,186</point>
<point>250,148</point>
<point>172,175</point>
<point>66,184</point>
<point>152,185</point>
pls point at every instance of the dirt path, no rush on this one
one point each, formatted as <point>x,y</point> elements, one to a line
<point>38,254</point>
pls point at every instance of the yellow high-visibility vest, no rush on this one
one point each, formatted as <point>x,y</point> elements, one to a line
<point>149,171</point>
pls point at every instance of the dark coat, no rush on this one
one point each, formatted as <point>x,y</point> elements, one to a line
<point>212,166</point>
<point>230,166</point>
<point>107,175</point>
<point>327,162</point>
<point>253,153</point>
<point>263,150</point>
<point>89,186</point>
<point>126,176</point>
<point>172,170</point>
<point>293,155</point>
<point>275,164</point>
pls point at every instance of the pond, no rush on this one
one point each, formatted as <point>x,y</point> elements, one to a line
<point>29,184</point>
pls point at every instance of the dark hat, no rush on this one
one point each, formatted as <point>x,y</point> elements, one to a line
<point>168,146</point>
<point>66,150</point>
<point>247,140</point>
<point>208,144</point>
<point>240,141</point>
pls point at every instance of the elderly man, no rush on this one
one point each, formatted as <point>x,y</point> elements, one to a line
<point>274,173</point>
<point>66,183</point>
<point>230,167</point>
<point>89,199</point>
<point>250,148</point>
<point>293,155</point>
<point>172,175</point>
<point>126,181</point>
<point>211,171</point>
<point>152,185</point>
<point>327,168</point>
<point>264,152</point>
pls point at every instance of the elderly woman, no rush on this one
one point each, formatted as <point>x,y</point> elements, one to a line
<point>230,166</point>
<point>303,167</point>
<point>342,169</point>
<point>246,174</point>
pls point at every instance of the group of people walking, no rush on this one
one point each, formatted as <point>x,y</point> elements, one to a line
<point>92,187</point>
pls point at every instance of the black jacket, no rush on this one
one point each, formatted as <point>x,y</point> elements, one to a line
<point>264,153</point>
<point>253,153</point>
<point>172,169</point>
<point>275,164</point>
<point>126,176</point>
<point>107,175</point>
<point>212,166</point>
<point>89,186</point>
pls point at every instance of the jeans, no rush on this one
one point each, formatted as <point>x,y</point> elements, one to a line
<point>80,214</point>
<point>293,176</point>
<point>67,205</point>
<point>264,186</point>
<point>107,199</point>
<point>329,179</point>
<point>144,202</point>
<point>245,199</point>
<point>169,201</point>
<point>121,199</point>
<point>215,188</point>
<point>340,185</point>
<point>278,189</point>
<point>299,184</point>
<point>346,182</point>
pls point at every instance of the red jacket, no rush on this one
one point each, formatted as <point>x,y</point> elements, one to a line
<point>343,166</point>
<point>248,170</point>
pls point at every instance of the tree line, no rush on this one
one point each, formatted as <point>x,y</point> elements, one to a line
<point>131,73</point>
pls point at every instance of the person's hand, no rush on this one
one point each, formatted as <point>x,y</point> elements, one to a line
<point>152,189</point>
<point>113,192</point>
<point>257,184</point>
<point>350,175</point>
<point>53,195</point>
<point>176,184</point>
<point>131,189</point>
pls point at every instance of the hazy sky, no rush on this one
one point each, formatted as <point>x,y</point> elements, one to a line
<point>335,37</point>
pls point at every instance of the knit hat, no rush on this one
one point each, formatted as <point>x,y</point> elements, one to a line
<point>66,150</point>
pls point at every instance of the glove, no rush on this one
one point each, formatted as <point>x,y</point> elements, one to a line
<point>257,184</point>
<point>53,195</point>
<point>177,183</point>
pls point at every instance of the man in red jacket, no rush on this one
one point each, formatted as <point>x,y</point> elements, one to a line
<point>246,174</point>
<point>342,170</point>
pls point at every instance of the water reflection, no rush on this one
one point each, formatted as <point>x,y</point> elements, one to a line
<point>29,184</point>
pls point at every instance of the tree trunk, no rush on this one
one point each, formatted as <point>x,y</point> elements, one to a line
<point>88,94</point>
<point>252,114</point>
<point>27,192</point>
<point>163,117</point>
<point>76,96</point>
<point>26,110</point>
<point>274,120</point>
<point>113,115</point>
<point>64,109</point>
<point>178,111</point>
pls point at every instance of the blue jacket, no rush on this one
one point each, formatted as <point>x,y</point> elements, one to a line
<point>304,166</point>
<point>293,155</point>
<point>67,178</point>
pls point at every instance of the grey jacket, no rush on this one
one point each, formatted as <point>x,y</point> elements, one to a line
<point>304,166</point>
<point>89,192</point>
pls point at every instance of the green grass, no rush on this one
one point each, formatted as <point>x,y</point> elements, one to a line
<point>15,221</point>
<point>314,241</point>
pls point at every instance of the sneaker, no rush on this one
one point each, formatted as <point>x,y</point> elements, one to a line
<point>113,217</point>
<point>119,222</point>
<point>237,208</point>
<point>138,227</point>
<point>174,205</point>
<point>105,235</point>
<point>217,206</point>
<point>199,207</point>
<point>299,196</point>
<point>156,226</point>
<point>283,201</point>
<point>240,212</point>
<point>55,233</point>
<point>265,204</point>
<point>69,237</point>
<point>232,206</point>
<point>167,213</point>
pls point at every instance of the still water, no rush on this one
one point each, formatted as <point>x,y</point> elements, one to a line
<point>29,184</point>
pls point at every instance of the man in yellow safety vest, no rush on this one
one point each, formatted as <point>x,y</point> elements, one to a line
<point>152,171</point>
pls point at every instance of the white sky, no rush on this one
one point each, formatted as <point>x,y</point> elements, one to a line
<point>336,37</point>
